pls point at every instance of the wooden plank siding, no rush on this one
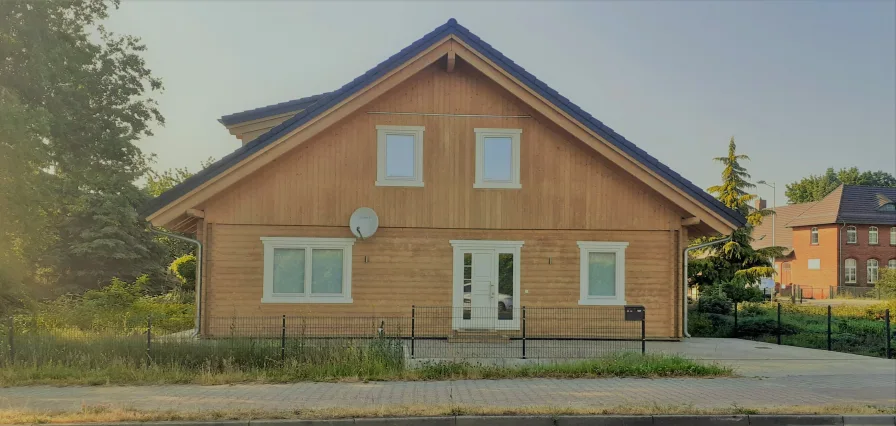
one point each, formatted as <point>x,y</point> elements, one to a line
<point>413,266</point>
<point>569,193</point>
<point>565,185</point>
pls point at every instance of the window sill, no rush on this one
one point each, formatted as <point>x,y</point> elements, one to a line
<point>313,300</point>
<point>602,302</point>
<point>405,183</point>
<point>497,186</point>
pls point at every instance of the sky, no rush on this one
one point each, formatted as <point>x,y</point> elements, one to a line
<point>801,86</point>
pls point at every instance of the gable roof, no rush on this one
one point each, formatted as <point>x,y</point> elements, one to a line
<point>820,212</point>
<point>861,204</point>
<point>451,27</point>
<point>762,234</point>
<point>270,110</point>
<point>850,204</point>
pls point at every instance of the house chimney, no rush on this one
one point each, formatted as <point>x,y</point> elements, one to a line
<point>760,204</point>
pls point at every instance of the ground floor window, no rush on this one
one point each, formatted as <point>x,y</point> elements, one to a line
<point>602,272</point>
<point>872,271</point>
<point>849,271</point>
<point>307,270</point>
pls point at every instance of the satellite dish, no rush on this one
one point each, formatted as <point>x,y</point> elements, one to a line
<point>364,222</point>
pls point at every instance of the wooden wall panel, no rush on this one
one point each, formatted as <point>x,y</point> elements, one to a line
<point>565,184</point>
<point>412,266</point>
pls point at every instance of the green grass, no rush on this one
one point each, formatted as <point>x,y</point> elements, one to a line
<point>854,329</point>
<point>91,360</point>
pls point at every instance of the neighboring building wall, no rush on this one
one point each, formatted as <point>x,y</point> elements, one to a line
<point>861,251</point>
<point>569,194</point>
<point>823,255</point>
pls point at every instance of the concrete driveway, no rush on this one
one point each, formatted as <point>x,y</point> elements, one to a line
<point>751,358</point>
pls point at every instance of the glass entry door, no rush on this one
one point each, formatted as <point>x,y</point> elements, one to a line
<point>486,285</point>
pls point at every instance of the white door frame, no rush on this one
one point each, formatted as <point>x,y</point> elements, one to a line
<point>497,247</point>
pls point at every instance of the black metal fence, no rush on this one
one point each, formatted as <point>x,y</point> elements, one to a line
<point>458,333</point>
<point>423,333</point>
<point>842,329</point>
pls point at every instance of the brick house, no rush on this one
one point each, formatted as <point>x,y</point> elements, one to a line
<point>845,239</point>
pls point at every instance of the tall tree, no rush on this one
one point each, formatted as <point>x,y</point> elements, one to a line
<point>82,98</point>
<point>816,187</point>
<point>735,262</point>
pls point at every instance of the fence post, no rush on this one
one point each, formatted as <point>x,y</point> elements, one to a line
<point>778,329</point>
<point>524,332</point>
<point>734,332</point>
<point>283,340</point>
<point>12,340</point>
<point>149,338</point>
<point>829,327</point>
<point>889,334</point>
<point>413,327</point>
<point>643,336</point>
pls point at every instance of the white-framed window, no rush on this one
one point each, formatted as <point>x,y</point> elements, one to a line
<point>872,235</point>
<point>399,155</point>
<point>891,264</point>
<point>849,271</point>
<point>602,272</point>
<point>872,271</point>
<point>852,236</point>
<point>307,270</point>
<point>497,158</point>
<point>893,236</point>
<point>814,264</point>
<point>813,236</point>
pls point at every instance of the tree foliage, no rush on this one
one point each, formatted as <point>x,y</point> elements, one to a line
<point>734,263</point>
<point>74,99</point>
<point>156,184</point>
<point>816,187</point>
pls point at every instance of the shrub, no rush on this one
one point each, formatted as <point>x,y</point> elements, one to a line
<point>760,326</point>
<point>714,302</point>
<point>886,285</point>
<point>184,268</point>
<point>710,325</point>
<point>739,292</point>
<point>751,310</point>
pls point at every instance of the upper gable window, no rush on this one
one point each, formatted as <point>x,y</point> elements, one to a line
<point>399,155</point>
<point>851,235</point>
<point>498,158</point>
<point>872,235</point>
<point>814,236</point>
<point>889,207</point>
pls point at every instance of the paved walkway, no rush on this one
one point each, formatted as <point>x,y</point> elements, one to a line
<point>774,376</point>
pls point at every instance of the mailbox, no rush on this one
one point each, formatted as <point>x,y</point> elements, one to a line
<point>634,313</point>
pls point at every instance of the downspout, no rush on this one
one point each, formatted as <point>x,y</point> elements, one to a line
<point>684,299</point>
<point>198,319</point>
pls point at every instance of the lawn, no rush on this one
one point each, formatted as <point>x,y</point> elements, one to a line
<point>854,329</point>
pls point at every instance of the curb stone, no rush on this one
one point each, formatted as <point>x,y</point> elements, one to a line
<point>504,421</point>
<point>405,421</point>
<point>857,420</point>
<point>300,422</point>
<point>686,420</point>
<point>587,420</point>
<point>784,419</point>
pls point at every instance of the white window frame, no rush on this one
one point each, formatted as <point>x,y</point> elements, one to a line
<point>616,247</point>
<point>852,235</point>
<point>893,236</point>
<point>813,236</point>
<point>872,230</point>
<point>514,135</point>
<point>382,131</point>
<point>814,264</point>
<point>850,271</point>
<point>873,278</point>
<point>891,264</point>
<point>308,244</point>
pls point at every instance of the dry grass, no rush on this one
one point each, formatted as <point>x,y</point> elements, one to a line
<point>106,414</point>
